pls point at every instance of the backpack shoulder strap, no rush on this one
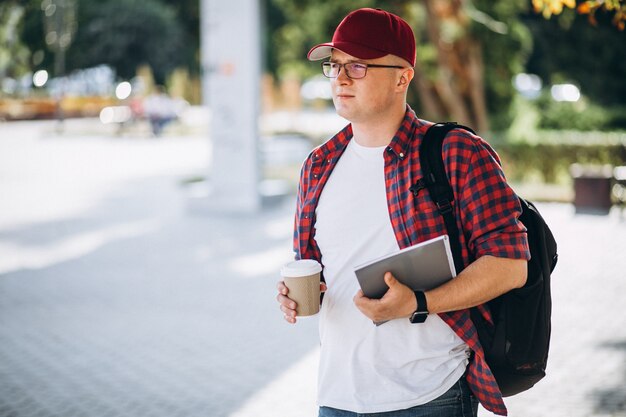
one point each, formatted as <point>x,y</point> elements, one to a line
<point>436,181</point>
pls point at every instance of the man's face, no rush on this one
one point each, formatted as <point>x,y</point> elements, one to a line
<point>366,99</point>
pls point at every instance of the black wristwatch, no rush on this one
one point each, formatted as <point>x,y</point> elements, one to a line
<point>419,316</point>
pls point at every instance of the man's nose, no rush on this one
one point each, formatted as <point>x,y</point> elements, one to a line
<point>342,77</point>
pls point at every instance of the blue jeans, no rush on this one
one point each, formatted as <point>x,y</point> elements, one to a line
<point>457,402</point>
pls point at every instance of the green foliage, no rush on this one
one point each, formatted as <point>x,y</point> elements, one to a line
<point>14,55</point>
<point>123,34</point>
<point>548,154</point>
<point>187,16</point>
<point>126,34</point>
<point>304,24</point>
<point>530,152</point>
<point>570,49</point>
<point>580,115</point>
<point>505,53</point>
<point>32,34</point>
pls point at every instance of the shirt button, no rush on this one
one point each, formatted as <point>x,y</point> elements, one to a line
<point>401,155</point>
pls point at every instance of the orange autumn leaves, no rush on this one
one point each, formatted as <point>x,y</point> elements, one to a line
<point>589,7</point>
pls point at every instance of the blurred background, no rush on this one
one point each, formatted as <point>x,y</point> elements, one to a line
<point>120,294</point>
<point>520,72</point>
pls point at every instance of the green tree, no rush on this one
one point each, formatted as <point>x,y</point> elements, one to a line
<point>188,17</point>
<point>467,55</point>
<point>123,34</point>
<point>32,35</point>
<point>569,49</point>
<point>14,55</point>
<point>127,34</point>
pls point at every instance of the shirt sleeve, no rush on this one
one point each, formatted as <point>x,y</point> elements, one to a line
<point>489,208</point>
<point>297,245</point>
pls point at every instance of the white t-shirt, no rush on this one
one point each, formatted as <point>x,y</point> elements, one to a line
<point>365,368</point>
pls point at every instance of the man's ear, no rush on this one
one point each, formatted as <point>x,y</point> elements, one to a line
<point>405,78</point>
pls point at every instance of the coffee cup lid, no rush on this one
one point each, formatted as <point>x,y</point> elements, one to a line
<point>301,268</point>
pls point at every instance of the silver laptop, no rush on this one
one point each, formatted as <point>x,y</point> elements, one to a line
<point>421,267</point>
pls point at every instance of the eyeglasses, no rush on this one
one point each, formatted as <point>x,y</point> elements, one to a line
<point>354,70</point>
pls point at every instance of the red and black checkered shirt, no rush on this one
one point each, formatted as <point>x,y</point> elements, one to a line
<point>486,208</point>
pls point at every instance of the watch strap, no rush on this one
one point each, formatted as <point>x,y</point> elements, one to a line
<point>419,316</point>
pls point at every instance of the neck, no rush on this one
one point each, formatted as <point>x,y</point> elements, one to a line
<point>379,131</point>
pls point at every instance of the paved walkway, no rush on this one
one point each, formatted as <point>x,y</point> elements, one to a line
<point>115,300</point>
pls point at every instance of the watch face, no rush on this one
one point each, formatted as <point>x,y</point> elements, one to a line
<point>419,317</point>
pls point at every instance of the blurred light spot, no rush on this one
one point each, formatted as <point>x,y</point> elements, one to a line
<point>65,40</point>
<point>565,92</point>
<point>123,90</point>
<point>115,114</point>
<point>51,38</point>
<point>50,9</point>
<point>40,78</point>
<point>528,85</point>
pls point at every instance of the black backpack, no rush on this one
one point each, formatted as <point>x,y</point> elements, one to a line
<point>516,347</point>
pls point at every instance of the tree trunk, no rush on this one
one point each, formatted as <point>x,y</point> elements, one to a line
<point>477,86</point>
<point>445,84</point>
<point>431,107</point>
<point>459,86</point>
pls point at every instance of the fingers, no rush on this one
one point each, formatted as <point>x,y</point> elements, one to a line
<point>398,301</point>
<point>282,288</point>
<point>362,302</point>
<point>390,280</point>
<point>289,315</point>
<point>369,307</point>
<point>287,305</point>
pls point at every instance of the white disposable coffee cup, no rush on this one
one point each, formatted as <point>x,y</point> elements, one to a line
<point>302,278</point>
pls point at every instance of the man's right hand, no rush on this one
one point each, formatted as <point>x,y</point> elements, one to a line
<point>287,305</point>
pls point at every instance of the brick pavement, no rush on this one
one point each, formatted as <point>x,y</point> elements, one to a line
<point>115,301</point>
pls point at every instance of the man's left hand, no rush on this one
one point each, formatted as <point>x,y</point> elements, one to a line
<point>399,301</point>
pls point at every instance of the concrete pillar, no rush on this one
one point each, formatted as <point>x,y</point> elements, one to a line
<point>231,61</point>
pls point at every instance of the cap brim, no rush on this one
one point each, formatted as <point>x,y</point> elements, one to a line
<point>320,51</point>
<point>324,50</point>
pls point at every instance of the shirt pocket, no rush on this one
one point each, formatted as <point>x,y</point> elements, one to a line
<point>424,222</point>
<point>422,206</point>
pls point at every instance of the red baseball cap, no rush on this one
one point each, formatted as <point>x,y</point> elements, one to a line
<point>368,34</point>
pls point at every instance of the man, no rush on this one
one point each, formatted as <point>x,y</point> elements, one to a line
<point>354,205</point>
<point>160,109</point>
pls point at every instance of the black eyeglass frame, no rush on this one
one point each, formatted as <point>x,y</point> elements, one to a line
<point>367,66</point>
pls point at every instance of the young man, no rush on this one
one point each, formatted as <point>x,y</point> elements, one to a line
<point>354,205</point>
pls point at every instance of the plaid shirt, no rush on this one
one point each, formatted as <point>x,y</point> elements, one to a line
<point>487,212</point>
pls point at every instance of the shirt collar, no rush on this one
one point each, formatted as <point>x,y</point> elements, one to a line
<point>399,144</point>
<point>401,141</point>
<point>336,144</point>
